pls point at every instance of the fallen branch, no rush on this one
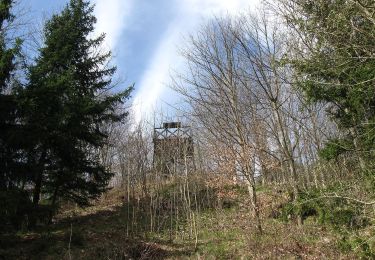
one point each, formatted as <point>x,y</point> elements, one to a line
<point>336,196</point>
<point>350,199</point>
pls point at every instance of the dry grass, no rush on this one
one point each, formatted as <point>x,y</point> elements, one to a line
<point>99,232</point>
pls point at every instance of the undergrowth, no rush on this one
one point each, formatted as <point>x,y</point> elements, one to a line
<point>351,221</point>
<point>332,229</point>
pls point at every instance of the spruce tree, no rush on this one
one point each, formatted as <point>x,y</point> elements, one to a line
<point>337,67</point>
<point>8,105</point>
<point>13,173</point>
<point>66,108</point>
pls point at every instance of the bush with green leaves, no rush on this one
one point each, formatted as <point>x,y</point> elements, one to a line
<point>336,212</point>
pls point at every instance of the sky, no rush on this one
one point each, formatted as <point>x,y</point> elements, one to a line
<point>144,36</point>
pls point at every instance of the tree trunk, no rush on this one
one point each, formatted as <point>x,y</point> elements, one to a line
<point>39,179</point>
<point>254,202</point>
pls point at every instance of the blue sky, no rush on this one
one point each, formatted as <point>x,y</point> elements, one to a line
<point>143,36</point>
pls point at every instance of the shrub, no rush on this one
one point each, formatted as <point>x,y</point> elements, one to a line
<point>335,212</point>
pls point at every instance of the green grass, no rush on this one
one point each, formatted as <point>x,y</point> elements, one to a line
<point>227,233</point>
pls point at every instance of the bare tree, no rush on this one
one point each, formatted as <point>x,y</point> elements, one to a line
<point>245,98</point>
<point>215,92</point>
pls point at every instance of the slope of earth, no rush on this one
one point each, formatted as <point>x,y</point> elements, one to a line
<point>101,232</point>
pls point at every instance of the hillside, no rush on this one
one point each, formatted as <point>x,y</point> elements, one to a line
<point>264,147</point>
<point>101,232</point>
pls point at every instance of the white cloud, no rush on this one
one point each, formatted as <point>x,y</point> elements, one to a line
<point>156,76</point>
<point>215,7</point>
<point>111,19</point>
<point>189,14</point>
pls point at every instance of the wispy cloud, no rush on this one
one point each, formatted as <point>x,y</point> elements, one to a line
<point>155,78</point>
<point>189,14</point>
<point>111,18</point>
<point>215,7</point>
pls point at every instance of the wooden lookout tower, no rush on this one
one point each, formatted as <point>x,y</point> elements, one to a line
<point>173,149</point>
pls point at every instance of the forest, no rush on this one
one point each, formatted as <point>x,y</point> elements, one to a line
<point>270,156</point>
